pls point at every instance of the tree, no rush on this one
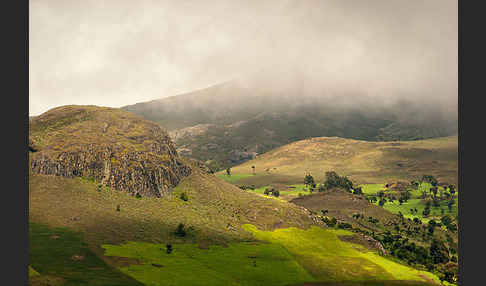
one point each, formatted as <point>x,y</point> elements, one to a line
<point>430,179</point>
<point>168,248</point>
<point>452,189</point>
<point>446,220</point>
<point>450,204</point>
<point>358,191</point>
<point>333,180</point>
<point>180,231</point>
<point>228,171</point>
<point>381,194</point>
<point>434,190</point>
<point>309,180</point>
<point>382,202</point>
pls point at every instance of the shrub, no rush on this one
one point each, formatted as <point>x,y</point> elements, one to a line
<point>180,231</point>
<point>430,179</point>
<point>138,196</point>
<point>344,225</point>
<point>184,197</point>
<point>358,191</point>
<point>117,208</point>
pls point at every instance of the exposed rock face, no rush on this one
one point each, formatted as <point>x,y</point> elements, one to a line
<point>111,146</point>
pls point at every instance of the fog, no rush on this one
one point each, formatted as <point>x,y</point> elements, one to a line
<point>120,52</point>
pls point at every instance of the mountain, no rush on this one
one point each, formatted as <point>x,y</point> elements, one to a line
<point>114,147</point>
<point>362,161</point>
<point>227,124</point>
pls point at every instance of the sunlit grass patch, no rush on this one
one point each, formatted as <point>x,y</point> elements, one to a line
<point>328,258</point>
<point>236,264</point>
<point>32,272</point>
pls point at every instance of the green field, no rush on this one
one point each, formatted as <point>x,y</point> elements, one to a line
<point>414,203</point>
<point>288,256</point>
<point>395,207</point>
<point>233,178</point>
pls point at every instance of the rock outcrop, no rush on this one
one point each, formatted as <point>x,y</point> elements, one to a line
<point>111,146</point>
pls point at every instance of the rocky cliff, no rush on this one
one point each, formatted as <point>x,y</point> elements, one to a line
<point>111,146</point>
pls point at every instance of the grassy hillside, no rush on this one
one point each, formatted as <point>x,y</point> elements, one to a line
<point>226,124</point>
<point>362,161</point>
<point>288,256</point>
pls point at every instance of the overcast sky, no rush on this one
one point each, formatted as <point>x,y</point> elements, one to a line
<point>120,52</point>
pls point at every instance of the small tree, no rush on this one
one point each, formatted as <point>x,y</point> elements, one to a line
<point>168,248</point>
<point>382,202</point>
<point>430,179</point>
<point>450,204</point>
<point>358,191</point>
<point>309,180</point>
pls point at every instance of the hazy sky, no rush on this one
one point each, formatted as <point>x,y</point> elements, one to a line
<point>120,52</point>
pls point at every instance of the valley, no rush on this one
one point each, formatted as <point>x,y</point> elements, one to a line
<point>112,202</point>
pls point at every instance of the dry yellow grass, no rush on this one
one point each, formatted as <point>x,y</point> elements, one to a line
<point>361,161</point>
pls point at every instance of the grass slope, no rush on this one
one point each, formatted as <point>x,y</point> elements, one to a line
<point>59,254</point>
<point>363,162</point>
<point>288,256</point>
<point>213,213</point>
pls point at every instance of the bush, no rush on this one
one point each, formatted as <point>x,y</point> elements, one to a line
<point>184,197</point>
<point>358,191</point>
<point>344,225</point>
<point>138,196</point>
<point>169,248</point>
<point>118,208</point>
<point>180,231</point>
<point>329,222</point>
<point>430,179</point>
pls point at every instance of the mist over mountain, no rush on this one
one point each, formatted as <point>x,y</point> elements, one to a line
<point>229,123</point>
